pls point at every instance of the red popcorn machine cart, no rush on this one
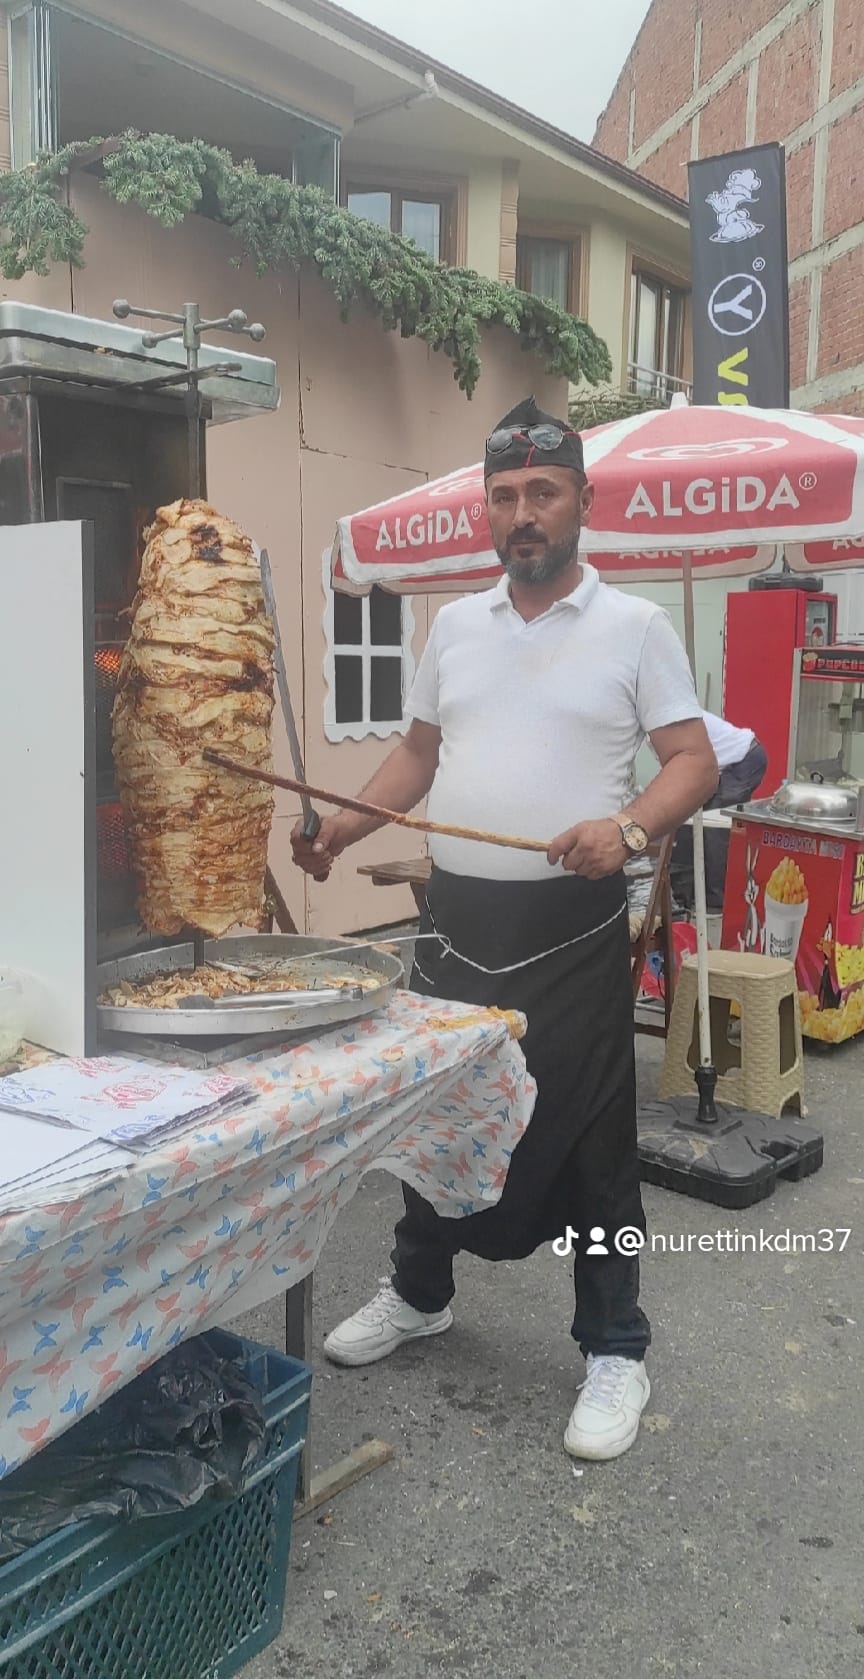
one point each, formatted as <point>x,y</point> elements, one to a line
<point>795,877</point>
<point>764,630</point>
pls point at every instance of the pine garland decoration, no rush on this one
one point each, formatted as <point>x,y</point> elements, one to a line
<point>588,408</point>
<point>280,225</point>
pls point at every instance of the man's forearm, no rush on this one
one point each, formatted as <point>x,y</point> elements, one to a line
<point>402,782</point>
<point>681,788</point>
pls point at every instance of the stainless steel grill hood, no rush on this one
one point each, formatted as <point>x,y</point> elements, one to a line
<point>51,344</point>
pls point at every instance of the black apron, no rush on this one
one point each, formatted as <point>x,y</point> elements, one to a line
<point>577,1162</point>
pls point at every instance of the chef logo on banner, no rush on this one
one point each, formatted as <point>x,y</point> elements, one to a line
<point>740,279</point>
<point>734,222</point>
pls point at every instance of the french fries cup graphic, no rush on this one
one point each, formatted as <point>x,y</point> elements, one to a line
<point>786,906</point>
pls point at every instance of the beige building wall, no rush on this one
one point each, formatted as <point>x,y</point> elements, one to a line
<point>612,251</point>
<point>364,415</point>
<point>509,222</point>
<point>608,290</point>
<point>483,249</point>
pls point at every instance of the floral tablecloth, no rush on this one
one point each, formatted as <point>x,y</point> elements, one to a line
<point>95,1290</point>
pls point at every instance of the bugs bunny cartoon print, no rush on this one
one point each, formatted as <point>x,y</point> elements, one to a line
<point>752,940</point>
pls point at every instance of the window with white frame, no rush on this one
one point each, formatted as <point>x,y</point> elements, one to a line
<point>368,663</point>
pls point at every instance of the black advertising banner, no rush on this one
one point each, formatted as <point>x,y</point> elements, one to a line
<point>740,278</point>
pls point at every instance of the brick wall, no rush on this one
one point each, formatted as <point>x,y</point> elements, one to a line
<point>841,339</point>
<point>667,59</point>
<point>708,76</point>
<point>788,69</point>
<point>668,165</point>
<point>844,187</point>
<point>723,123</point>
<point>800,183</point>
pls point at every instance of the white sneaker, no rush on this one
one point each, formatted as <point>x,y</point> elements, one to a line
<point>605,1419</point>
<point>381,1327</point>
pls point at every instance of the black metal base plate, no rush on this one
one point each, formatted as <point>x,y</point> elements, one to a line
<point>734,1163</point>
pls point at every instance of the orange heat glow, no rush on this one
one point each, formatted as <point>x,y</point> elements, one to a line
<point>108,661</point>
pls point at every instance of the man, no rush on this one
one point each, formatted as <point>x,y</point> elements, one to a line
<point>741,762</point>
<point>528,706</point>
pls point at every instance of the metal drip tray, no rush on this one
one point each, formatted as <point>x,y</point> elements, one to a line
<point>236,1026</point>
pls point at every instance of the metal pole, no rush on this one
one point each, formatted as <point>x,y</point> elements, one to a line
<point>704,994</point>
<point>192,341</point>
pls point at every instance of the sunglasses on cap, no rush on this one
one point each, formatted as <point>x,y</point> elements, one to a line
<point>545,437</point>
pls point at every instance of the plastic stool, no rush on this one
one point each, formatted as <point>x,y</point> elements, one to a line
<point>764,1071</point>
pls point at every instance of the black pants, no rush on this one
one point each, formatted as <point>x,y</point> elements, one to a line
<point>576,1168</point>
<point>608,1318</point>
<point>737,785</point>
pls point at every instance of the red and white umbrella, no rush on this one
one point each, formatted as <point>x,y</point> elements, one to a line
<point>725,485</point>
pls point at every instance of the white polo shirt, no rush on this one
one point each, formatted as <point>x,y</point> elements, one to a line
<point>541,722</point>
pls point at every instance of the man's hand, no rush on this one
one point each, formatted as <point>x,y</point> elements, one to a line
<point>593,849</point>
<point>402,781</point>
<point>316,857</point>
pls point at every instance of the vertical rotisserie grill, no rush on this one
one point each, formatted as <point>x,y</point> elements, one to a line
<point>87,434</point>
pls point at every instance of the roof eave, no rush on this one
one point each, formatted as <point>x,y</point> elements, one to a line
<point>410,58</point>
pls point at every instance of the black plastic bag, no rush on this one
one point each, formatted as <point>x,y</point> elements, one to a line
<point>191,1428</point>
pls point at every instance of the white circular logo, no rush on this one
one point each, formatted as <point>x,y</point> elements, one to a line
<point>717,450</point>
<point>737,305</point>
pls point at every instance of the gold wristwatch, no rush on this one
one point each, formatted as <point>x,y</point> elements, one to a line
<point>635,838</point>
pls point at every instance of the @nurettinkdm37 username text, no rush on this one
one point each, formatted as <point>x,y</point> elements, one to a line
<point>631,1241</point>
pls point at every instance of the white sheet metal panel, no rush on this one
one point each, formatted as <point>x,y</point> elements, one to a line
<point>47,825</point>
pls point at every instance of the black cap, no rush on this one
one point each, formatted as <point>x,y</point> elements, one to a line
<point>507,454</point>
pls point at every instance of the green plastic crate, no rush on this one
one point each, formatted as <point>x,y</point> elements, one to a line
<point>193,1595</point>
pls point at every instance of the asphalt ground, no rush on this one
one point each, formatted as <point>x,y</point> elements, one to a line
<point>728,1541</point>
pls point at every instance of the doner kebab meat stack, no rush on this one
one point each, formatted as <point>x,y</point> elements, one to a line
<point>197,673</point>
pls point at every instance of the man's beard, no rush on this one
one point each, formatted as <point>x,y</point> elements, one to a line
<point>545,567</point>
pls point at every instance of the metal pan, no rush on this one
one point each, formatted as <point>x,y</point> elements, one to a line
<point>818,801</point>
<point>253,1019</point>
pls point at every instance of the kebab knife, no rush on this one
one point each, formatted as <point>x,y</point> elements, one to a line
<point>311,819</point>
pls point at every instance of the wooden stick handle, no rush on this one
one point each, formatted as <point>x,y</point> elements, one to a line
<point>364,809</point>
